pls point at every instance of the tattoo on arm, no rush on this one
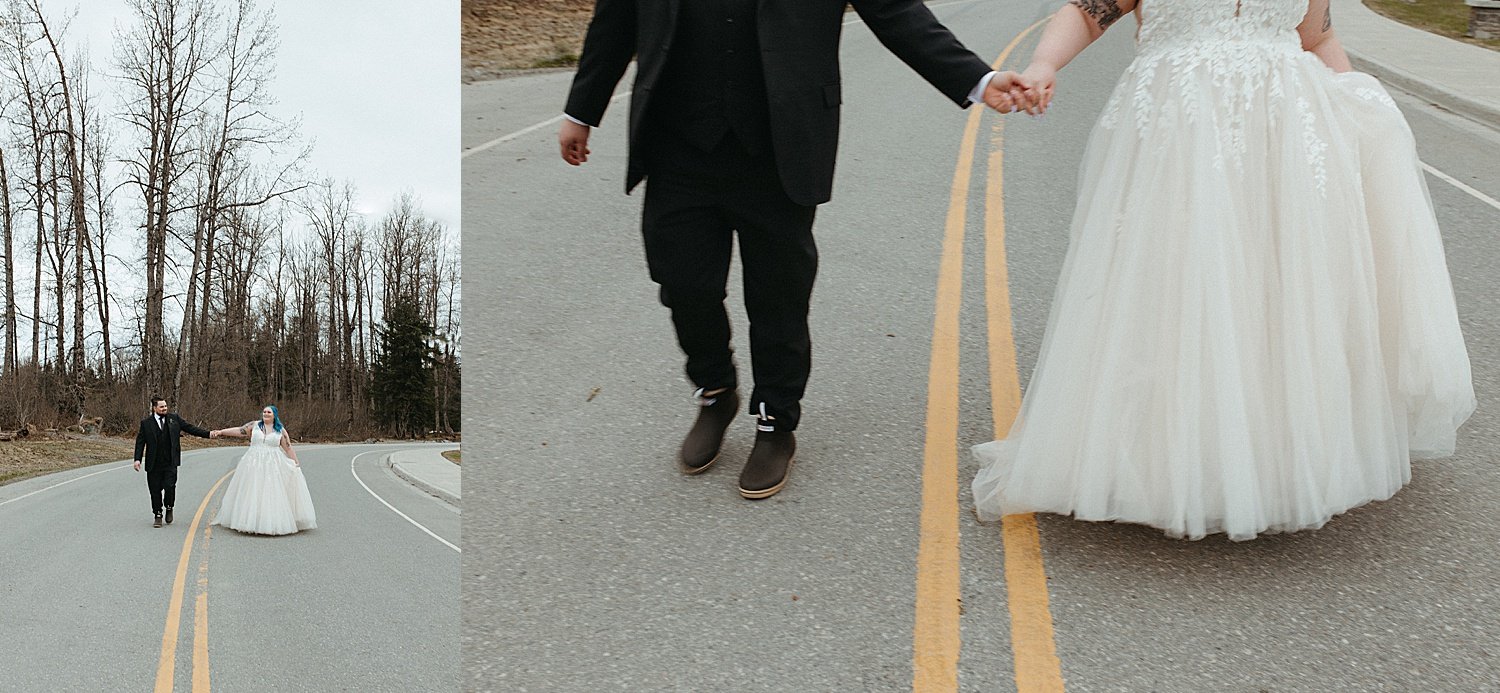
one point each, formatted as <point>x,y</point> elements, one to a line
<point>1328,18</point>
<point>1105,12</point>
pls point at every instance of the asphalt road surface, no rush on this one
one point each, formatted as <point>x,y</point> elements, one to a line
<point>96,599</point>
<point>592,564</point>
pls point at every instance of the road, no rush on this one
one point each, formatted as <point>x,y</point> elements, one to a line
<point>97,599</point>
<point>592,564</point>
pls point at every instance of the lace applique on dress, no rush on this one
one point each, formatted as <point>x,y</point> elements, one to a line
<point>1217,64</point>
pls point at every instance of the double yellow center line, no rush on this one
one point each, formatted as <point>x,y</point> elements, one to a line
<point>167,665</point>
<point>938,605</point>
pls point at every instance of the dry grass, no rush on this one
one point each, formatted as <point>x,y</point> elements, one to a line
<point>453,456</point>
<point>25,459</point>
<point>502,36</point>
<point>1443,17</point>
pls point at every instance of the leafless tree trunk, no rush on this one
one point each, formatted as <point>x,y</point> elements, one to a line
<point>330,213</point>
<point>7,217</point>
<point>57,252</point>
<point>22,64</point>
<point>97,156</point>
<point>161,60</point>
<point>230,188</point>
<point>78,215</point>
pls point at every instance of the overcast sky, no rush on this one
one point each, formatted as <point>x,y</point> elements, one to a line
<point>376,83</point>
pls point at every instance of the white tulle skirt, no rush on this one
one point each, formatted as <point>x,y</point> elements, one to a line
<point>267,495</point>
<point>1254,329</point>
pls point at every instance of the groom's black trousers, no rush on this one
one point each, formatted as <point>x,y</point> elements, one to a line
<point>697,202</point>
<point>162,480</point>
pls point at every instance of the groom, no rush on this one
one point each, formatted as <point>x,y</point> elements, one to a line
<point>158,442</point>
<point>734,120</point>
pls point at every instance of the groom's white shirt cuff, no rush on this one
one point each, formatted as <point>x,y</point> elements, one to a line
<point>975,96</point>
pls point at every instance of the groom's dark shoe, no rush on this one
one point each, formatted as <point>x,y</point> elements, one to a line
<point>169,514</point>
<point>770,464</point>
<point>700,449</point>
<point>157,522</point>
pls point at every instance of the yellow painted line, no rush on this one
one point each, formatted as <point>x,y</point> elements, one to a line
<point>1005,382</point>
<point>167,663</point>
<point>935,638</point>
<point>200,620</point>
<point>1032,641</point>
<point>935,643</point>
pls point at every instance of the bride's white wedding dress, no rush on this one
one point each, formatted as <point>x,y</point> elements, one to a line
<point>1254,329</point>
<point>267,494</point>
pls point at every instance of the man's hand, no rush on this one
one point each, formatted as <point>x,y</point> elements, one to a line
<point>213,434</point>
<point>137,465</point>
<point>1006,93</point>
<point>1030,91</point>
<point>574,141</point>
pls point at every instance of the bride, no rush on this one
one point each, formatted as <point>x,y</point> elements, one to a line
<point>1254,329</point>
<point>267,494</point>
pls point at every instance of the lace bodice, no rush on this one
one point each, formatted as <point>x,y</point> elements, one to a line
<point>271,438</point>
<point>1214,63</point>
<point>1178,22</point>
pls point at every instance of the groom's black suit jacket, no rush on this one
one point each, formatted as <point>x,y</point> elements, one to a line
<point>797,45</point>
<point>162,446</point>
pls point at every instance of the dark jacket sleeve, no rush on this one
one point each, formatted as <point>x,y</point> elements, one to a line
<point>140,440</point>
<point>910,31</point>
<point>189,428</point>
<point>607,49</point>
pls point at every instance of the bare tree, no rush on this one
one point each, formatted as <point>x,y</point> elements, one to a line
<point>96,148</point>
<point>7,216</point>
<point>77,212</point>
<point>281,293</point>
<point>228,182</point>
<point>162,58</point>
<point>329,210</point>
<point>21,63</point>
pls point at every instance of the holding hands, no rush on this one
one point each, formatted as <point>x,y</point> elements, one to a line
<point>1030,91</point>
<point>237,432</point>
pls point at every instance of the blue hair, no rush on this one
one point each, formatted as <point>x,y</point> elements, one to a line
<point>276,415</point>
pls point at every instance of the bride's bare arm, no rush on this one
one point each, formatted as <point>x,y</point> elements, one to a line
<point>1319,38</point>
<point>1076,25</point>
<point>286,445</point>
<point>239,432</point>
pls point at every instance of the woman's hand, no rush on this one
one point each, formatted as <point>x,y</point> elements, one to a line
<point>1041,79</point>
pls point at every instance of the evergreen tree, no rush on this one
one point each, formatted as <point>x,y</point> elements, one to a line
<point>401,379</point>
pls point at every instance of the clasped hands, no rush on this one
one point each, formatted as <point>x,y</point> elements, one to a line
<point>1029,91</point>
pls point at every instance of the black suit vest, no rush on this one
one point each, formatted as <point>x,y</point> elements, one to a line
<point>713,82</point>
<point>157,441</point>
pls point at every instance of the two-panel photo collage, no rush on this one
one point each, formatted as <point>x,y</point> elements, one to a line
<point>468,345</point>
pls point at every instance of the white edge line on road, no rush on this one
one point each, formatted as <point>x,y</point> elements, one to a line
<point>65,483</point>
<point>392,507</point>
<point>1461,186</point>
<point>506,138</point>
<point>533,128</point>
